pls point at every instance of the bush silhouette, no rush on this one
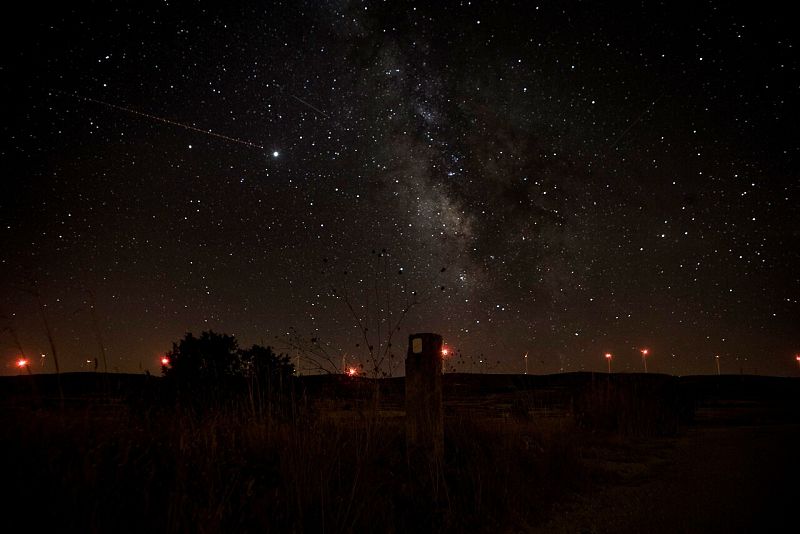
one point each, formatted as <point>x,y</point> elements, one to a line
<point>212,367</point>
<point>210,358</point>
<point>264,365</point>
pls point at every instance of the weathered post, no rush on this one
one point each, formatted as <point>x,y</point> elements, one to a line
<point>424,414</point>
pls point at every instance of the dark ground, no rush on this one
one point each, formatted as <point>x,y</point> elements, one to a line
<point>712,479</point>
<point>726,462</point>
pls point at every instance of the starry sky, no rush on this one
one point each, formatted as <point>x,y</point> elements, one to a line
<point>562,179</point>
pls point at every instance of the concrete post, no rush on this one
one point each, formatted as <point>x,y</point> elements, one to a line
<point>424,413</point>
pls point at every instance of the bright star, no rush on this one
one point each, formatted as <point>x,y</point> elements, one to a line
<point>275,154</point>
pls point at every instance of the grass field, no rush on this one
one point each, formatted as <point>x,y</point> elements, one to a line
<point>522,453</point>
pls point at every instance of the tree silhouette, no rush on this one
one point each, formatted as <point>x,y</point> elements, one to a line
<point>211,368</point>
<point>210,358</point>
<point>263,364</point>
<point>268,378</point>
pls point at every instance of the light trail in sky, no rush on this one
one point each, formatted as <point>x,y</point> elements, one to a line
<point>166,121</point>
<point>312,107</point>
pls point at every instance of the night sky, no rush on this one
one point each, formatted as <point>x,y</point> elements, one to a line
<point>592,177</point>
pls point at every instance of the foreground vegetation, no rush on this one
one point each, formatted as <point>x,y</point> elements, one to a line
<point>228,469</point>
<point>321,454</point>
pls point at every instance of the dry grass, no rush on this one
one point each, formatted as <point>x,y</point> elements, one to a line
<point>314,463</point>
<point>228,471</point>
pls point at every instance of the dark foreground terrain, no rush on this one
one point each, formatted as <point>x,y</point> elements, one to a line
<point>560,453</point>
<point>720,479</point>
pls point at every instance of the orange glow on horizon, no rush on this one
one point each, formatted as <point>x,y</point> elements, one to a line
<point>645,352</point>
<point>164,360</point>
<point>352,371</point>
<point>608,355</point>
<point>22,362</point>
<point>445,351</point>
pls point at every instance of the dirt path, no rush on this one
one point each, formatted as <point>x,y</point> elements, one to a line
<point>731,480</point>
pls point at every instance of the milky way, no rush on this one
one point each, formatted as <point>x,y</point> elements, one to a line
<point>562,180</point>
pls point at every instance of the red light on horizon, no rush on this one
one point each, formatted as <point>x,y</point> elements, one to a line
<point>22,362</point>
<point>164,360</point>
<point>445,351</point>
<point>608,355</point>
<point>645,352</point>
<point>352,371</point>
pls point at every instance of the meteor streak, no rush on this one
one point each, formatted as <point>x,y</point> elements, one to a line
<point>167,121</point>
<point>636,121</point>
<point>312,107</point>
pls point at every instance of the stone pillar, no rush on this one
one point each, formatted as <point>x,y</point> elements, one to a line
<point>424,413</point>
